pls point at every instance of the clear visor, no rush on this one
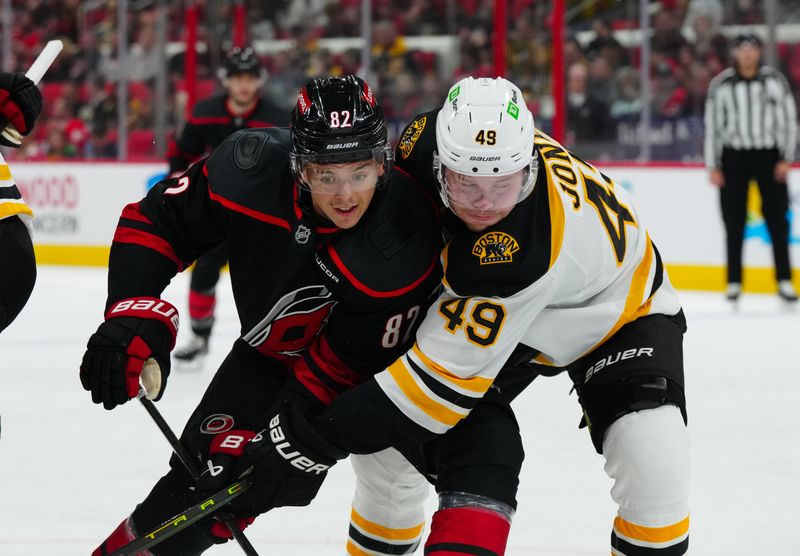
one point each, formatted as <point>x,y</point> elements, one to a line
<point>483,194</point>
<point>355,171</point>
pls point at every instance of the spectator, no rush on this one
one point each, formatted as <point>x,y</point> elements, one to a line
<point>667,38</point>
<point>627,103</point>
<point>587,115</point>
<point>57,147</point>
<point>604,45</point>
<point>601,79</point>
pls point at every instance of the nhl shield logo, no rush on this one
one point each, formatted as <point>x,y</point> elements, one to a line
<point>302,234</point>
<point>495,248</point>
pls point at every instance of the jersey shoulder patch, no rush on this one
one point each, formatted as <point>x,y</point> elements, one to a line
<point>251,169</point>
<point>396,247</point>
<point>415,150</point>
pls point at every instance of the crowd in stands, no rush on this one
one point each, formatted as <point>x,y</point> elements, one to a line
<point>602,68</point>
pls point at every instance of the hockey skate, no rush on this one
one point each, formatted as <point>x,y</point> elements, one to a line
<point>191,357</point>
<point>786,291</point>
<point>733,292</point>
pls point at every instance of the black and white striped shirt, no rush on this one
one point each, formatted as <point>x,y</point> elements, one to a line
<point>746,114</point>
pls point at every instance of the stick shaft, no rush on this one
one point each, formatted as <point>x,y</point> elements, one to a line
<point>191,467</point>
<point>44,61</point>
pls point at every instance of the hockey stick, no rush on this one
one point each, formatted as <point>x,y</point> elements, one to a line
<point>189,464</point>
<point>183,520</point>
<point>35,74</point>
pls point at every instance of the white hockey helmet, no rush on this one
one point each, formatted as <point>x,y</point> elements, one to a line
<point>485,129</point>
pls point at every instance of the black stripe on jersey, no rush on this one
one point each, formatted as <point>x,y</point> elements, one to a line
<point>459,548</point>
<point>632,550</point>
<point>323,377</point>
<point>10,192</point>
<point>658,278</point>
<point>379,546</point>
<point>443,391</point>
<point>139,225</point>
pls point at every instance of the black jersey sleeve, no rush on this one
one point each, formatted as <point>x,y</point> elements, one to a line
<point>364,420</point>
<point>164,233</point>
<point>190,143</point>
<point>415,149</point>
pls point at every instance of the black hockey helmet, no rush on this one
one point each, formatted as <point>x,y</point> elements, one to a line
<point>242,60</point>
<point>338,120</point>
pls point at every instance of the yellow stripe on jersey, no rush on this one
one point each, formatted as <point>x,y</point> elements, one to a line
<point>670,533</point>
<point>412,391</point>
<point>5,172</point>
<point>634,307</point>
<point>444,266</point>
<point>385,533</point>
<point>556,219</point>
<point>477,384</point>
<point>13,209</point>
<point>543,359</point>
<point>353,550</point>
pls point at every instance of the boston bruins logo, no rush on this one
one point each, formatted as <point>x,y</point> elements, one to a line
<point>495,247</point>
<point>409,138</point>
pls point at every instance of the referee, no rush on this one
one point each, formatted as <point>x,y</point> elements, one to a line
<point>751,133</point>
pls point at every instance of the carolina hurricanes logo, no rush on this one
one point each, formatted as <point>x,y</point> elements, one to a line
<point>293,322</point>
<point>303,102</point>
<point>216,423</point>
<point>368,96</point>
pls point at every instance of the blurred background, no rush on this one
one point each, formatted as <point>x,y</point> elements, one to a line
<point>126,80</point>
<point>622,82</point>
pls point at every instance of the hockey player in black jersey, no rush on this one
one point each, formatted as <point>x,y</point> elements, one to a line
<point>20,104</point>
<point>240,106</point>
<point>545,255</point>
<point>332,257</point>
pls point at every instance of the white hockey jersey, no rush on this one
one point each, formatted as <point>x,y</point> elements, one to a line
<point>561,274</point>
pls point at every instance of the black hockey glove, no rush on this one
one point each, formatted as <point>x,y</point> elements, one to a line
<point>133,342</point>
<point>20,104</point>
<point>287,462</point>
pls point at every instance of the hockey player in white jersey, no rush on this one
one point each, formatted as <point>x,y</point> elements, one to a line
<point>546,256</point>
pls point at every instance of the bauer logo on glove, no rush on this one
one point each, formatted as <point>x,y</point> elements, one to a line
<point>290,454</point>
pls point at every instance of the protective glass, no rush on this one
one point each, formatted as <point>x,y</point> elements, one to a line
<point>333,175</point>
<point>488,194</point>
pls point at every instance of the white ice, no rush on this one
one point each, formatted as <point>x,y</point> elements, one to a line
<point>70,471</point>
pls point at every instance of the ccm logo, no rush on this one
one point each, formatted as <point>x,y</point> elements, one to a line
<point>290,454</point>
<point>146,305</point>
<point>619,356</point>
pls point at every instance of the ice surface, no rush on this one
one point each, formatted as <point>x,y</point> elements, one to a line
<point>71,470</point>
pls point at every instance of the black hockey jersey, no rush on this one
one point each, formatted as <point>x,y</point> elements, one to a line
<point>291,274</point>
<point>212,121</point>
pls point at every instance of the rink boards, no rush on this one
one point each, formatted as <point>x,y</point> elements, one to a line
<point>76,207</point>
